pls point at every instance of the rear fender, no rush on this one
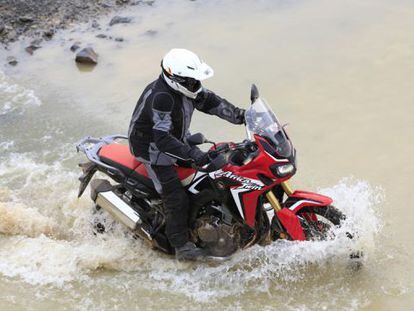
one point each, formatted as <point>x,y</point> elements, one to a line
<point>291,223</point>
<point>89,169</point>
<point>301,199</point>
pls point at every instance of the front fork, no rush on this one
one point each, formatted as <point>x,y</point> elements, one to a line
<point>274,202</point>
<point>272,198</point>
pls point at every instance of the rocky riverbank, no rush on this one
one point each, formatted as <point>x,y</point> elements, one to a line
<point>40,19</point>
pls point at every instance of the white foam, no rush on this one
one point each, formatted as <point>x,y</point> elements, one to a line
<point>6,145</point>
<point>15,97</point>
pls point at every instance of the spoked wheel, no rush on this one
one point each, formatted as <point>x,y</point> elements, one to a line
<point>317,221</point>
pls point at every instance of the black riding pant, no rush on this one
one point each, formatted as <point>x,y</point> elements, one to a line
<point>175,201</point>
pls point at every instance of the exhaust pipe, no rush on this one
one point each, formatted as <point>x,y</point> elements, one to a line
<point>103,196</point>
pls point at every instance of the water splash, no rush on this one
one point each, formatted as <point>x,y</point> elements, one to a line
<point>19,219</point>
<point>54,230</point>
<point>15,97</point>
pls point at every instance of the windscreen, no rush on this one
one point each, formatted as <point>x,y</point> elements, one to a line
<point>261,120</point>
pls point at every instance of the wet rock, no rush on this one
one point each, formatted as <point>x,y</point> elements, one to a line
<point>31,48</point>
<point>75,46</point>
<point>87,56</point>
<point>122,2</point>
<point>12,61</point>
<point>106,5</point>
<point>48,34</point>
<point>83,6</point>
<point>2,29</point>
<point>95,24</point>
<point>36,41</point>
<point>34,45</point>
<point>102,36</point>
<point>26,19</point>
<point>12,35</point>
<point>119,20</point>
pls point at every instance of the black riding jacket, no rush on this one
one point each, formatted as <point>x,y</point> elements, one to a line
<point>161,121</point>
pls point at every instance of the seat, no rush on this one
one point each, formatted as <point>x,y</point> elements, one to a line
<point>120,157</point>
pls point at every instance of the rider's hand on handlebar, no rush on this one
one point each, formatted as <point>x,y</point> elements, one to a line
<point>239,115</point>
<point>200,158</point>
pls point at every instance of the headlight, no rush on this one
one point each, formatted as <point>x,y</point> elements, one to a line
<point>285,169</point>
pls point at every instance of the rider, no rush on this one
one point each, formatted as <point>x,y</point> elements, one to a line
<point>158,130</point>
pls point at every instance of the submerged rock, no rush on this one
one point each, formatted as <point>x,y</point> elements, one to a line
<point>151,32</point>
<point>12,61</point>
<point>119,20</point>
<point>119,39</point>
<point>101,36</point>
<point>87,56</point>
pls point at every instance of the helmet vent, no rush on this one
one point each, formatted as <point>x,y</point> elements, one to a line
<point>190,68</point>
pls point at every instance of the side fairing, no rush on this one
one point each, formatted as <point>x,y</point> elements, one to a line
<point>245,192</point>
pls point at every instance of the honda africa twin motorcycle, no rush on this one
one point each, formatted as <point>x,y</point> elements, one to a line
<point>241,198</point>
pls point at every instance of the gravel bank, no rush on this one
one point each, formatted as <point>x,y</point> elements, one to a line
<point>40,19</point>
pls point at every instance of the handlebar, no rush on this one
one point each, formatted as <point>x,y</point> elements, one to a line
<point>219,160</point>
<point>245,145</point>
<point>217,163</point>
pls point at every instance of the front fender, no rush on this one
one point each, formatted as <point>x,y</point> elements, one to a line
<point>300,199</point>
<point>291,223</point>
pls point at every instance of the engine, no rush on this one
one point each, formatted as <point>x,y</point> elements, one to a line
<point>219,238</point>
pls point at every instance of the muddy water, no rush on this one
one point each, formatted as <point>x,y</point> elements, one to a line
<point>341,74</point>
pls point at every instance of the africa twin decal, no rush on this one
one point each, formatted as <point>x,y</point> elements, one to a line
<point>246,183</point>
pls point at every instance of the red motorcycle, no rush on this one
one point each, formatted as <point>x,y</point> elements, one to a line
<point>241,198</point>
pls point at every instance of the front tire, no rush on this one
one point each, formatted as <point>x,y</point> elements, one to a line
<point>326,218</point>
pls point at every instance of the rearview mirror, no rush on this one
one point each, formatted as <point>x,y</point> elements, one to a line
<point>254,93</point>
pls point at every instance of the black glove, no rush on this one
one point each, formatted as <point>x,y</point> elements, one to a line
<point>240,116</point>
<point>200,158</point>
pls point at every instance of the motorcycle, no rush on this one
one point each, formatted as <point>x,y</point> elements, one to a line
<point>241,198</point>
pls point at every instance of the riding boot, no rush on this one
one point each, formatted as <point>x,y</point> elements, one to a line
<point>189,251</point>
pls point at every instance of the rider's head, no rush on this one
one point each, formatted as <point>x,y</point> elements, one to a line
<point>183,71</point>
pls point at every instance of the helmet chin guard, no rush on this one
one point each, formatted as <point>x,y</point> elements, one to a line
<point>180,88</point>
<point>183,71</point>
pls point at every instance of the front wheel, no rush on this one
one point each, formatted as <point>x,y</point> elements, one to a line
<point>317,221</point>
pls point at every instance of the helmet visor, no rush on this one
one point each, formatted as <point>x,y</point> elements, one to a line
<point>190,84</point>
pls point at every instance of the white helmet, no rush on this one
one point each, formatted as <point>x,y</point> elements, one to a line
<point>183,71</point>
